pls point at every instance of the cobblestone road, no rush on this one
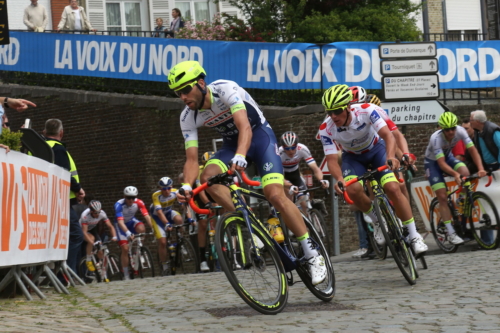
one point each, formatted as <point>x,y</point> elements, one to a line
<point>458,293</point>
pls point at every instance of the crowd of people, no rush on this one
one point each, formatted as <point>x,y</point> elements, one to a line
<point>74,19</point>
<point>356,133</point>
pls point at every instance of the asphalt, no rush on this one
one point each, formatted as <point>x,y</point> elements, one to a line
<point>459,292</point>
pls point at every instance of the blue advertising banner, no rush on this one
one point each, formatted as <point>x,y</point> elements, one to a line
<point>472,64</point>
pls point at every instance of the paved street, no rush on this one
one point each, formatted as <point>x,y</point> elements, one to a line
<point>458,293</point>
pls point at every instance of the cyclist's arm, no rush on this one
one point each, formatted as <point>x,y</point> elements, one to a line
<point>161,215</point>
<point>390,142</point>
<point>86,236</point>
<point>110,227</point>
<point>441,161</point>
<point>476,158</point>
<point>317,171</point>
<point>245,131</point>
<point>401,143</point>
<point>332,161</point>
<point>121,225</point>
<point>191,166</point>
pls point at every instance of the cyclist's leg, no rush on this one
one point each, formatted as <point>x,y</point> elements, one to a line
<point>159,232</point>
<point>89,237</point>
<point>295,178</point>
<point>138,226</point>
<point>123,243</point>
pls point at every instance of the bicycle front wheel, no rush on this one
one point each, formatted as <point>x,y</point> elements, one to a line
<point>188,262</point>
<point>318,221</point>
<point>113,270</point>
<point>483,220</point>
<point>439,229</point>
<point>146,266</point>
<point>256,273</point>
<point>395,240</point>
<point>326,289</point>
<point>380,250</point>
<point>87,276</point>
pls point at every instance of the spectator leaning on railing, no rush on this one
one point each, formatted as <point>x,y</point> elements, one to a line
<point>35,17</point>
<point>74,18</point>
<point>176,23</point>
<point>486,139</point>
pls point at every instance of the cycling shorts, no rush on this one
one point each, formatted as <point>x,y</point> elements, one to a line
<point>159,226</point>
<point>434,173</point>
<point>354,165</point>
<point>131,225</point>
<point>95,232</point>
<point>263,152</point>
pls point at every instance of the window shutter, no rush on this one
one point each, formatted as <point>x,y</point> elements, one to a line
<point>97,12</point>
<point>159,8</point>
<point>463,15</point>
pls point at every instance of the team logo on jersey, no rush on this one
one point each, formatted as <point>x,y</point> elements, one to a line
<point>186,136</point>
<point>268,166</point>
<point>361,127</point>
<point>326,140</point>
<point>341,129</point>
<point>374,117</point>
<point>347,172</point>
<point>435,179</point>
<point>276,149</point>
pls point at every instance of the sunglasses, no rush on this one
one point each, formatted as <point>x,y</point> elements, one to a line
<point>450,129</point>
<point>130,198</point>
<point>290,148</point>
<point>186,89</point>
<point>166,188</point>
<point>336,111</point>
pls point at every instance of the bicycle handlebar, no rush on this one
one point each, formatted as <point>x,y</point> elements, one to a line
<point>475,176</point>
<point>354,180</point>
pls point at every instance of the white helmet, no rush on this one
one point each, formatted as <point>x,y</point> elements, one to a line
<point>165,182</point>
<point>358,94</point>
<point>130,191</point>
<point>95,206</point>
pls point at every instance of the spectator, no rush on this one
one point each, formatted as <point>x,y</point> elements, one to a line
<point>486,139</point>
<point>459,150</point>
<point>35,17</point>
<point>159,29</point>
<point>14,103</point>
<point>54,133</point>
<point>74,18</point>
<point>5,147</point>
<point>467,158</point>
<point>176,23</point>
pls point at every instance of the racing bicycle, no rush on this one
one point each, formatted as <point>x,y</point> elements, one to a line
<point>180,252</point>
<point>140,258</point>
<point>106,268</point>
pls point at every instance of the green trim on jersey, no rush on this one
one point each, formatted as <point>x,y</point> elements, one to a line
<point>192,143</point>
<point>470,144</point>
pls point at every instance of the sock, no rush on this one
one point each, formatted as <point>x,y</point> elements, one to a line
<point>202,254</point>
<point>89,257</point>
<point>165,265</point>
<point>412,229</point>
<point>449,227</point>
<point>371,214</point>
<point>125,271</point>
<point>305,242</point>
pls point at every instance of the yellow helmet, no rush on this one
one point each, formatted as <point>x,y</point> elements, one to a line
<point>183,73</point>
<point>336,97</point>
<point>373,99</point>
<point>206,156</point>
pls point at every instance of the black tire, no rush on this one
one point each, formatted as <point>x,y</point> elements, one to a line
<point>188,261</point>
<point>146,264</point>
<point>484,221</point>
<point>114,268</point>
<point>395,240</point>
<point>318,221</point>
<point>87,276</point>
<point>325,291</point>
<point>439,229</point>
<point>261,281</point>
<point>379,250</point>
<point>423,262</point>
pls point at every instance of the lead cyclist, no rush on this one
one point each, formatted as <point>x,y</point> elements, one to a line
<point>230,110</point>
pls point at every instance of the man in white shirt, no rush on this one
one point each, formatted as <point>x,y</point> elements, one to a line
<point>35,17</point>
<point>73,18</point>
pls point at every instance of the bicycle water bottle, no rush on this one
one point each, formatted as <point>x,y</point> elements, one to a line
<point>171,248</point>
<point>275,229</point>
<point>211,235</point>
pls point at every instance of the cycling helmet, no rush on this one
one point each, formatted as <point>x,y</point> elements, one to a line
<point>358,94</point>
<point>95,206</point>
<point>373,99</point>
<point>165,182</point>
<point>337,97</point>
<point>130,191</point>
<point>448,120</point>
<point>206,156</point>
<point>183,73</point>
<point>289,139</point>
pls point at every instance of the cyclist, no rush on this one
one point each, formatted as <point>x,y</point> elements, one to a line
<point>291,153</point>
<point>439,159</point>
<point>89,220</point>
<point>231,111</point>
<point>126,224</point>
<point>163,215</point>
<point>365,139</point>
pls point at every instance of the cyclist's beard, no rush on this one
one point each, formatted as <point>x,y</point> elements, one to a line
<point>203,94</point>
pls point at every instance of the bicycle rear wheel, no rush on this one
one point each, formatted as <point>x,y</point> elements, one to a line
<point>260,279</point>
<point>325,291</point>
<point>87,276</point>
<point>318,221</point>
<point>146,265</point>
<point>380,250</point>
<point>188,262</point>
<point>483,220</point>
<point>395,241</point>
<point>113,269</point>
<point>439,229</point>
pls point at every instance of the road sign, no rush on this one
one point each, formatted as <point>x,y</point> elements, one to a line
<point>407,50</point>
<point>324,167</point>
<point>409,66</point>
<point>412,112</point>
<point>410,87</point>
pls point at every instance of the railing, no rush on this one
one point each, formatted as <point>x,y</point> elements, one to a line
<point>453,37</point>
<point>119,33</point>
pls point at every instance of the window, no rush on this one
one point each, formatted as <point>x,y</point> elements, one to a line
<point>124,16</point>
<point>194,10</point>
<point>464,35</point>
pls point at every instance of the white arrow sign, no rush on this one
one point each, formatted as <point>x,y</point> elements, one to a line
<point>410,66</point>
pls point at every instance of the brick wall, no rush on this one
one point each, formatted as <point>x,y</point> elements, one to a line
<point>435,8</point>
<point>119,140</point>
<point>57,7</point>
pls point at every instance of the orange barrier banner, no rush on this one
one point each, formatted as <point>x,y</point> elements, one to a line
<point>34,210</point>
<point>422,194</point>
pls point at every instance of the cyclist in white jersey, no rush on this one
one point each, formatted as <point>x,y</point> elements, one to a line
<point>231,111</point>
<point>359,130</point>
<point>89,220</point>
<point>439,159</point>
<point>291,153</point>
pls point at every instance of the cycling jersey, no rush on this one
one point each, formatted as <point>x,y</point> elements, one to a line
<point>292,163</point>
<point>440,147</point>
<point>162,202</point>
<point>127,213</point>
<point>90,221</point>
<point>359,137</point>
<point>227,97</point>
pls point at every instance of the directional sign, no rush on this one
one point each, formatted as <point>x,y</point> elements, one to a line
<point>411,112</point>
<point>410,87</point>
<point>410,66</point>
<point>407,50</point>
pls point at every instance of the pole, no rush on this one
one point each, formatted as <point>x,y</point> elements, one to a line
<point>335,215</point>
